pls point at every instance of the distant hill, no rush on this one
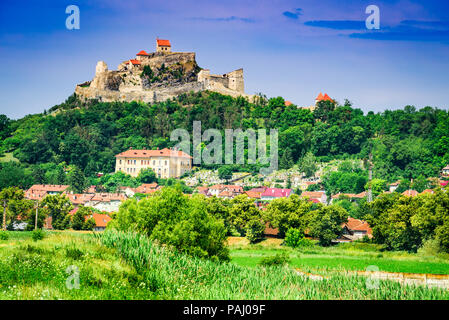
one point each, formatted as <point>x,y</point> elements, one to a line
<point>405,143</point>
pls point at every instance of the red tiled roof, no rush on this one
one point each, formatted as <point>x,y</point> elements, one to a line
<point>288,103</point>
<point>428,191</point>
<point>259,189</point>
<point>107,197</point>
<point>133,61</point>
<point>410,193</point>
<point>360,195</point>
<point>313,194</point>
<point>327,98</point>
<point>101,220</point>
<point>202,190</point>
<point>349,195</point>
<point>164,43</point>
<point>48,187</point>
<point>225,193</point>
<point>276,193</point>
<point>358,225</point>
<point>323,98</point>
<point>80,198</point>
<point>146,188</point>
<point>142,53</point>
<point>131,153</point>
<point>232,188</point>
<point>253,194</point>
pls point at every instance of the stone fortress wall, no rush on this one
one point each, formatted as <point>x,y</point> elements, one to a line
<point>126,84</point>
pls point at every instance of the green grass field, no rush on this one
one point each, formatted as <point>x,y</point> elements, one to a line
<point>347,256</point>
<point>128,266</point>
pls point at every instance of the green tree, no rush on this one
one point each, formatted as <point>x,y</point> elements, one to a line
<point>176,220</point>
<point>255,230</point>
<point>326,223</point>
<point>76,180</point>
<point>147,176</point>
<point>286,161</point>
<point>308,164</point>
<point>58,207</point>
<point>378,186</point>
<point>241,212</point>
<point>7,197</point>
<point>286,213</point>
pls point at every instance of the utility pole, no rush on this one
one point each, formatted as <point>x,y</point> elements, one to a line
<point>4,215</point>
<point>370,177</point>
<point>37,210</point>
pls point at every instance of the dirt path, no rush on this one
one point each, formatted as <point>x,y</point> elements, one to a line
<point>423,279</point>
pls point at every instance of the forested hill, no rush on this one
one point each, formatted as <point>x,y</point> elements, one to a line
<point>405,143</point>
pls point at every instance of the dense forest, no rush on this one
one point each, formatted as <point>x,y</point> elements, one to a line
<point>405,143</point>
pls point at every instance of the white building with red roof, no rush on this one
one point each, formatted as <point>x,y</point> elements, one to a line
<point>166,163</point>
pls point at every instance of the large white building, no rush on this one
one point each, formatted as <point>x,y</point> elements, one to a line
<point>166,163</point>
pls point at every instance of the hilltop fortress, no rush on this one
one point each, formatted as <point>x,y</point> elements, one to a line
<point>158,76</point>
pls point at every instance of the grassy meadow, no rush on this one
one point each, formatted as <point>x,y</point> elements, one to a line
<point>128,266</point>
<point>345,256</point>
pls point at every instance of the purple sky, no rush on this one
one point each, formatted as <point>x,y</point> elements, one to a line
<point>293,49</point>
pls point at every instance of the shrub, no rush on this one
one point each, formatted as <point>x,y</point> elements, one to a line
<point>38,234</point>
<point>176,220</point>
<point>278,259</point>
<point>295,238</point>
<point>255,230</point>
<point>4,235</point>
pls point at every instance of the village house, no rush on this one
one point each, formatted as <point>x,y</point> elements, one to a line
<point>109,202</point>
<point>410,193</point>
<point>351,196</point>
<point>225,191</point>
<point>146,188</point>
<point>40,191</point>
<point>275,193</point>
<point>393,186</point>
<point>166,163</point>
<point>315,196</point>
<point>356,229</point>
<point>101,221</point>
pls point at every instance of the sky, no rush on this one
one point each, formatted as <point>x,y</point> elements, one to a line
<point>294,49</point>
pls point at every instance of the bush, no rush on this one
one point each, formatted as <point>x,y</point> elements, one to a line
<point>176,220</point>
<point>4,235</point>
<point>37,234</point>
<point>74,253</point>
<point>295,238</point>
<point>279,259</point>
<point>255,231</point>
